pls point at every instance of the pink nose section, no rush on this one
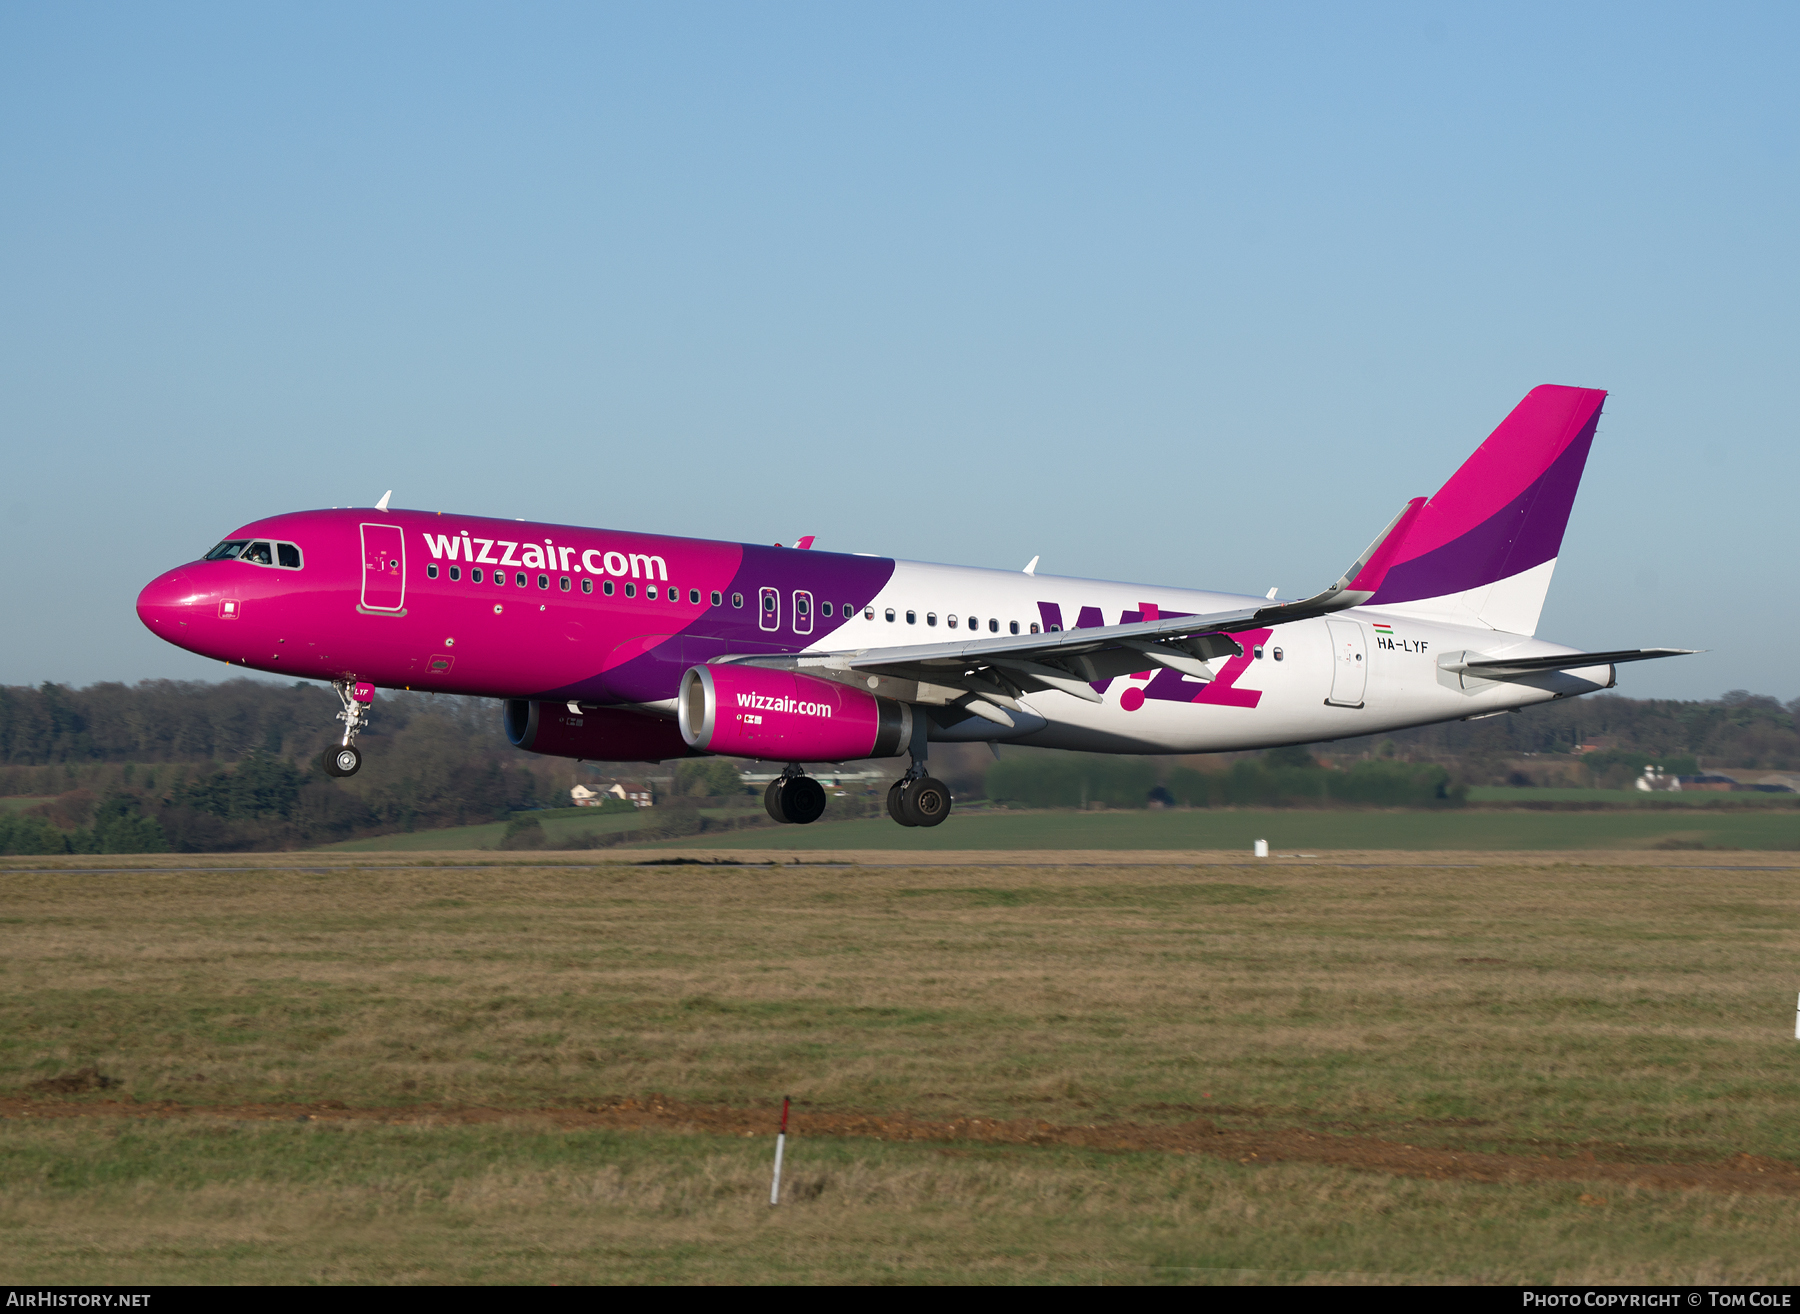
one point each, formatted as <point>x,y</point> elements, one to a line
<point>164,602</point>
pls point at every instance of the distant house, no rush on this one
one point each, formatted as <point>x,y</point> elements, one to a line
<point>635,792</point>
<point>585,797</point>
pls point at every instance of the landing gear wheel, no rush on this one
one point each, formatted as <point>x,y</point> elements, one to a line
<point>344,761</point>
<point>803,800</point>
<point>897,804</point>
<point>928,801</point>
<point>772,801</point>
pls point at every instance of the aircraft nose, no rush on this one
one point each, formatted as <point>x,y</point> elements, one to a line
<point>164,603</point>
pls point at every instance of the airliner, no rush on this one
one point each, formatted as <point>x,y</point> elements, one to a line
<point>606,645</point>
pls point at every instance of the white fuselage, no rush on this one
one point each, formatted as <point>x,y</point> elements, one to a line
<point>1362,671</point>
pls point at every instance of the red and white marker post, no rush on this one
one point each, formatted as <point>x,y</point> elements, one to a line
<point>780,1145</point>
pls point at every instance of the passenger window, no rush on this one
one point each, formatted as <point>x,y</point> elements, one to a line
<point>563,583</point>
<point>519,579</point>
<point>543,581</point>
<point>694,597</point>
<point>717,597</point>
<point>1278,654</point>
<point>737,599</point>
<point>456,572</point>
<point>631,590</point>
<point>650,592</point>
<point>931,618</point>
<point>607,588</point>
<point>431,570</point>
<point>993,626</point>
<point>890,615</point>
<point>768,602</point>
<point>950,621</point>
<point>869,614</point>
<point>289,556</point>
<point>475,574</point>
<point>974,622</point>
<point>1056,629</point>
<point>1034,628</point>
<point>259,553</point>
<point>801,604</point>
<point>587,586</point>
<point>1013,626</point>
<point>912,618</point>
<point>825,607</point>
<point>849,610</point>
<point>227,550</point>
<point>500,578</point>
<point>1257,650</point>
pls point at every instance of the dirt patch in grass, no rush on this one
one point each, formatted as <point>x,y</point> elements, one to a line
<point>1249,1146</point>
<point>74,1083</point>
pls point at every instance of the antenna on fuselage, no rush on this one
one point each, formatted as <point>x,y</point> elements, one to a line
<point>382,504</point>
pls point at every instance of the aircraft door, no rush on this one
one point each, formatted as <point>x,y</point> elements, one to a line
<point>1349,663</point>
<point>803,605</point>
<point>384,568</point>
<point>769,609</point>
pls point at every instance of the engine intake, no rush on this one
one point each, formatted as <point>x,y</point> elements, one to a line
<point>755,711</point>
<point>603,734</point>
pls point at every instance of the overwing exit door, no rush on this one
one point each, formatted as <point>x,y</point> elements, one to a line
<point>1349,663</point>
<point>384,568</point>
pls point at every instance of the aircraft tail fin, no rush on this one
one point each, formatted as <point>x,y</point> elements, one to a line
<point>1481,551</point>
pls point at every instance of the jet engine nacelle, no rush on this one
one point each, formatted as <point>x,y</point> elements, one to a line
<point>756,711</point>
<point>603,734</point>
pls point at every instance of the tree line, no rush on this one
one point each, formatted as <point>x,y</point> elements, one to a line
<point>195,767</point>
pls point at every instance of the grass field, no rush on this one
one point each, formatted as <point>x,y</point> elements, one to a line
<point>560,825</point>
<point>1201,829</point>
<point>1544,1071</point>
<point>1287,828</point>
<point>1630,797</point>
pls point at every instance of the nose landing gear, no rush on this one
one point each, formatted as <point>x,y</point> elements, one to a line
<point>346,758</point>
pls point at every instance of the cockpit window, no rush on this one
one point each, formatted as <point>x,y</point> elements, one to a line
<point>258,552</point>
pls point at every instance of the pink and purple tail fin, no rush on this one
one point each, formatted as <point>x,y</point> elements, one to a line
<point>1482,549</point>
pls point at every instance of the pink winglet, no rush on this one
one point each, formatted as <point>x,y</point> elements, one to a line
<point>1369,578</point>
<point>364,692</point>
<point>805,542</point>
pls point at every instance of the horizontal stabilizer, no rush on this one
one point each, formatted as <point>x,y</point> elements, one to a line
<point>1506,667</point>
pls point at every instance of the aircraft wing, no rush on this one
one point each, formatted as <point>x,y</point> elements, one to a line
<point>1503,668</point>
<point>986,676</point>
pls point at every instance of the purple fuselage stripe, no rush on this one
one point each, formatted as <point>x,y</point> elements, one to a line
<point>838,578</point>
<point>1526,532</point>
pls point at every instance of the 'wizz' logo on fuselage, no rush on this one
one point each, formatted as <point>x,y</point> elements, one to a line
<point>545,556</point>
<point>1165,684</point>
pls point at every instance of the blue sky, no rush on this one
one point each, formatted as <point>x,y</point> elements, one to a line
<point>1164,293</point>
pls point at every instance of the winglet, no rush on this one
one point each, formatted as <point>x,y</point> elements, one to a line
<point>1357,584</point>
<point>382,504</point>
<point>804,543</point>
<point>1031,566</point>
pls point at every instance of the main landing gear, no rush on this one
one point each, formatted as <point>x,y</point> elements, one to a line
<point>346,758</point>
<point>917,799</point>
<point>794,798</point>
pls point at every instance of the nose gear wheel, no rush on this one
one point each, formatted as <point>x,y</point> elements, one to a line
<point>343,761</point>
